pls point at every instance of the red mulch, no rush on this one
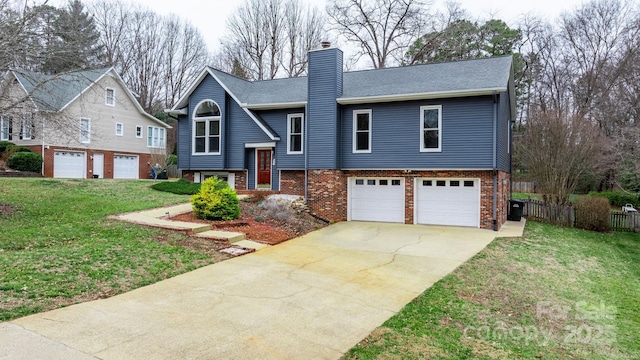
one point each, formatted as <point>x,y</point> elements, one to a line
<point>255,223</point>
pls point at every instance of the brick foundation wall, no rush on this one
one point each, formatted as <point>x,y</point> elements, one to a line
<point>328,192</point>
<point>144,167</point>
<point>292,182</point>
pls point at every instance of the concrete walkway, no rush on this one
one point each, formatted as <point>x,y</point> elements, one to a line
<point>313,297</point>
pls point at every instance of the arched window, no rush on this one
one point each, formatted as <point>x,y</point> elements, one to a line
<point>206,128</point>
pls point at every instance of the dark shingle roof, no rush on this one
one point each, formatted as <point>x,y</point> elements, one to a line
<point>440,78</point>
<point>54,92</point>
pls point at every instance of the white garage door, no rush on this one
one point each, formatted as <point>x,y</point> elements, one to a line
<point>448,202</point>
<point>125,166</point>
<point>379,199</point>
<point>69,164</point>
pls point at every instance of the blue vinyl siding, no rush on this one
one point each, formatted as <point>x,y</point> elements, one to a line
<point>183,144</point>
<point>504,123</point>
<point>466,137</point>
<point>325,85</point>
<point>277,120</point>
<point>242,130</point>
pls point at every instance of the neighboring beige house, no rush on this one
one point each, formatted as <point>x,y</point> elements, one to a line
<point>87,124</point>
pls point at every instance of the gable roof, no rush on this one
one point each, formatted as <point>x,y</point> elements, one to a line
<point>451,79</point>
<point>54,93</point>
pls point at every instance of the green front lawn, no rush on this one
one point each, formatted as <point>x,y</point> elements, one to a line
<point>58,247</point>
<point>557,293</point>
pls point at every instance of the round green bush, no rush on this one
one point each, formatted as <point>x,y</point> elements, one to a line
<point>215,201</point>
<point>25,161</point>
<point>4,145</point>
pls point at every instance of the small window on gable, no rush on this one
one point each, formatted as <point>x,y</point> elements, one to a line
<point>119,129</point>
<point>362,131</point>
<point>85,131</point>
<point>206,128</point>
<point>139,132</point>
<point>430,128</point>
<point>110,97</point>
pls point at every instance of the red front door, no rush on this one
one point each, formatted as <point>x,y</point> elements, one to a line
<point>264,167</point>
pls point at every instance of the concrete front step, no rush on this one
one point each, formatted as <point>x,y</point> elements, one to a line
<point>232,237</point>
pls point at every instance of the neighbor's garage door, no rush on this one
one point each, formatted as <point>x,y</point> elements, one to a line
<point>125,167</point>
<point>448,202</point>
<point>69,164</point>
<point>379,199</point>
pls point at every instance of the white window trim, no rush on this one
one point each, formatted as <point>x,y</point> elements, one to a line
<point>88,131</point>
<point>289,117</point>
<point>27,129</point>
<point>106,97</point>
<point>355,127</point>
<point>121,129</point>
<point>139,127</point>
<point>4,135</point>
<point>151,131</point>
<point>207,120</point>
<point>422,129</point>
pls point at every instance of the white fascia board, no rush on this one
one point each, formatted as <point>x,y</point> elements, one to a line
<point>35,106</point>
<point>88,87</point>
<point>418,96</point>
<point>259,145</point>
<point>274,106</point>
<point>182,111</point>
<point>247,111</point>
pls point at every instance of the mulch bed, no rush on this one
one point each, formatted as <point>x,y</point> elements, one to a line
<point>258,226</point>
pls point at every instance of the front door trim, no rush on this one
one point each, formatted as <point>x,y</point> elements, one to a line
<point>257,162</point>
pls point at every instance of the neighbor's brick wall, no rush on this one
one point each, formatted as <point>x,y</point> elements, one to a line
<point>328,191</point>
<point>292,182</point>
<point>144,167</point>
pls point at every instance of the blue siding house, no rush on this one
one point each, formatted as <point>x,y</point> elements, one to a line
<point>424,144</point>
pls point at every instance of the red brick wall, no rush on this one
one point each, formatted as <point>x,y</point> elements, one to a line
<point>144,168</point>
<point>292,182</point>
<point>328,192</point>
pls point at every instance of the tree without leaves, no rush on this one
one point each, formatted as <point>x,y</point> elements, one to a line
<point>382,29</point>
<point>267,38</point>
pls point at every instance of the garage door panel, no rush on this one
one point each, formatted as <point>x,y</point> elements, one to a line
<point>452,204</point>
<point>376,199</point>
<point>69,164</point>
<point>125,166</point>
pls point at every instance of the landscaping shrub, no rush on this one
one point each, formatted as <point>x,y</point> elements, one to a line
<point>4,145</point>
<point>592,213</point>
<point>618,198</point>
<point>180,187</point>
<point>25,161</point>
<point>10,150</point>
<point>216,201</point>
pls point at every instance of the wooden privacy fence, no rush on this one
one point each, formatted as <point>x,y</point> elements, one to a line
<point>528,187</point>
<point>564,215</point>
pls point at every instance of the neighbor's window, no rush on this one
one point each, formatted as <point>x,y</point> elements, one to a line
<point>110,97</point>
<point>430,128</point>
<point>5,128</point>
<point>206,128</point>
<point>295,133</point>
<point>27,129</point>
<point>362,131</point>
<point>139,131</point>
<point>155,137</point>
<point>119,129</point>
<point>85,131</point>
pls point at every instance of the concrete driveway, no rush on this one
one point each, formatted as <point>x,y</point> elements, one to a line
<point>311,297</point>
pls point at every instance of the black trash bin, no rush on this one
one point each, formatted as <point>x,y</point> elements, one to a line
<point>515,210</point>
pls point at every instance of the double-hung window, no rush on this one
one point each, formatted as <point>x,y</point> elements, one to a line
<point>362,131</point>
<point>110,97</point>
<point>85,131</point>
<point>206,128</point>
<point>28,129</point>
<point>431,128</point>
<point>295,133</point>
<point>119,129</point>
<point>155,137</point>
<point>5,128</point>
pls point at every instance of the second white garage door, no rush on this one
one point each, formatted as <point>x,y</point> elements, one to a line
<point>125,167</point>
<point>69,164</point>
<point>376,199</point>
<point>448,202</point>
